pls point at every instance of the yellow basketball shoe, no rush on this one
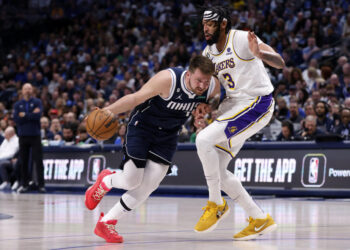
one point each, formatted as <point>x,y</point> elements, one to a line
<point>256,228</point>
<point>211,216</point>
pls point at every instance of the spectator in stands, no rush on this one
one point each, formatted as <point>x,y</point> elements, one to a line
<point>287,133</point>
<point>121,134</point>
<point>295,54</point>
<point>282,109</point>
<point>294,116</point>
<point>315,96</point>
<point>323,122</point>
<point>273,129</point>
<point>68,134</point>
<point>46,134</point>
<point>343,128</point>
<point>55,126</point>
<point>310,77</point>
<point>27,113</point>
<point>87,58</point>
<point>335,83</point>
<point>83,137</point>
<point>295,76</point>
<point>309,109</point>
<point>310,130</point>
<point>8,148</point>
<point>312,50</point>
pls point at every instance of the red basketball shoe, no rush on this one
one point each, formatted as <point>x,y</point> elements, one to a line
<point>95,193</point>
<point>106,230</point>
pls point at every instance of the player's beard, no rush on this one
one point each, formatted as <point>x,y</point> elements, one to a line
<point>214,38</point>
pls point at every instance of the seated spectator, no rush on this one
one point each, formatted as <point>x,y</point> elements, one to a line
<point>83,137</point>
<point>311,51</point>
<point>8,148</point>
<point>287,132</point>
<point>310,130</point>
<point>198,124</point>
<point>324,123</point>
<point>343,128</point>
<point>55,127</point>
<point>282,109</point>
<point>46,134</point>
<point>294,116</point>
<point>335,113</point>
<point>121,134</point>
<point>272,129</point>
<point>68,134</point>
<point>310,77</point>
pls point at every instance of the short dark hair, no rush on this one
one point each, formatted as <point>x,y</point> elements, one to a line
<point>202,63</point>
<point>289,125</point>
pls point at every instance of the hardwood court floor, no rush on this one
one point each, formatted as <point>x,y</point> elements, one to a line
<point>60,221</point>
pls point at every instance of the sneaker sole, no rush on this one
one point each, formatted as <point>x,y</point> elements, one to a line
<point>99,234</point>
<point>269,229</point>
<point>216,224</point>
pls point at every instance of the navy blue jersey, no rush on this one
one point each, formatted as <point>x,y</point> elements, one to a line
<point>171,113</point>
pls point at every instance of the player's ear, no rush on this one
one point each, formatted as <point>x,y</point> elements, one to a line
<point>223,24</point>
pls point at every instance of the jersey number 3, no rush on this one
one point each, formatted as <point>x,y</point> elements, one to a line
<point>229,79</point>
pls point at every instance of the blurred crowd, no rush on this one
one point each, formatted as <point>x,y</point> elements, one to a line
<point>83,54</point>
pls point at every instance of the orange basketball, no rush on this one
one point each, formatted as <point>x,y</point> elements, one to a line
<point>101,124</point>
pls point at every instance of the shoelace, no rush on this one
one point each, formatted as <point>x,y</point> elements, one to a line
<point>207,212</point>
<point>250,220</point>
<point>111,228</point>
<point>100,192</point>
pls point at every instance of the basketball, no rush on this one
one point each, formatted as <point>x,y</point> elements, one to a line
<point>101,124</point>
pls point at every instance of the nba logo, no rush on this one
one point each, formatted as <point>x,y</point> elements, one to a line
<point>96,163</point>
<point>313,170</point>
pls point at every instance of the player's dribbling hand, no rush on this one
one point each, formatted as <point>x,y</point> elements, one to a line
<point>201,110</point>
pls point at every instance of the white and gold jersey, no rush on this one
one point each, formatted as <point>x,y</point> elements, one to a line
<point>241,74</point>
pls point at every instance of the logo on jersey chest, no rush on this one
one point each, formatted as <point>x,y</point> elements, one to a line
<point>229,63</point>
<point>183,106</point>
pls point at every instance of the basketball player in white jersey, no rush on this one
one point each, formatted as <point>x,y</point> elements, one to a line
<point>238,57</point>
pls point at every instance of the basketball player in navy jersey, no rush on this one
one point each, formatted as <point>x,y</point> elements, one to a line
<point>163,105</point>
<point>239,58</point>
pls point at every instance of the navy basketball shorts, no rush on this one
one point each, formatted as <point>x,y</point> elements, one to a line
<point>145,143</point>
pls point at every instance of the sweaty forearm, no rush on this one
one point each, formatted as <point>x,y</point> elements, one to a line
<point>272,59</point>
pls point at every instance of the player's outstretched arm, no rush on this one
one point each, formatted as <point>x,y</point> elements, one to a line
<point>159,84</point>
<point>264,52</point>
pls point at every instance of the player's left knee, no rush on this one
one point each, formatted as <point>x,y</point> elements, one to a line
<point>202,141</point>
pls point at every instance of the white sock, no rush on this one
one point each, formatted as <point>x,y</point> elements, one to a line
<point>232,186</point>
<point>115,213</point>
